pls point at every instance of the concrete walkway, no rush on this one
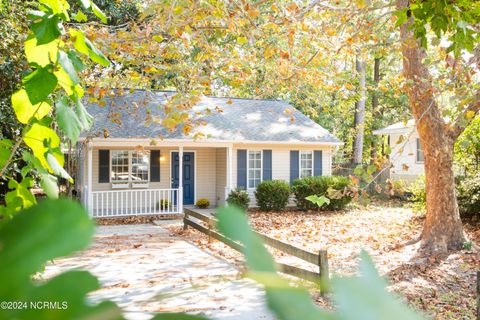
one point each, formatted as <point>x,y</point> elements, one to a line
<point>146,270</point>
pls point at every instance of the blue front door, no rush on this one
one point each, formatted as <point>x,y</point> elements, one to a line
<point>188,175</point>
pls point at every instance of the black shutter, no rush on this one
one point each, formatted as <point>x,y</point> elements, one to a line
<point>293,165</point>
<point>103,166</point>
<point>155,166</point>
<point>242,169</point>
<point>317,162</point>
<point>267,165</point>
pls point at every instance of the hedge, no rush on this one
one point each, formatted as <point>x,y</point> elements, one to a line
<point>272,195</point>
<point>320,186</point>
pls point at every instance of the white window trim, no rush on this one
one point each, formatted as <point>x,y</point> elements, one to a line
<point>128,184</point>
<point>417,145</point>
<point>300,162</point>
<point>248,167</point>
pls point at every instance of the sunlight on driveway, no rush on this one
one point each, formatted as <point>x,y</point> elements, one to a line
<point>145,270</point>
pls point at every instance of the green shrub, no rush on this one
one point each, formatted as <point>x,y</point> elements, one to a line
<point>202,203</point>
<point>272,195</point>
<point>332,187</point>
<point>468,196</point>
<point>239,198</point>
<point>419,196</point>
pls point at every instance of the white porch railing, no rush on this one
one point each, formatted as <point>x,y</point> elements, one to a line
<point>119,203</point>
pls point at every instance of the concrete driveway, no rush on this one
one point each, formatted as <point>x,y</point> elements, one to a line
<point>146,270</point>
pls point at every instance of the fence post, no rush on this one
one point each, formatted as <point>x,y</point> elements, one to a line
<point>323,270</point>
<point>211,227</point>
<point>185,217</point>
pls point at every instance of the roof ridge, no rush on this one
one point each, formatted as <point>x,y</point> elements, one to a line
<point>210,96</point>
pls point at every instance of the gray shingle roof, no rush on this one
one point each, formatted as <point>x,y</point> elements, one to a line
<point>241,120</point>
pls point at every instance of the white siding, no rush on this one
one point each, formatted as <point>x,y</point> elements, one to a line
<point>205,171</point>
<point>404,161</point>
<point>211,168</point>
<point>281,161</point>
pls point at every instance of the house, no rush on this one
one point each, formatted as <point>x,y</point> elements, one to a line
<point>406,154</point>
<point>129,165</point>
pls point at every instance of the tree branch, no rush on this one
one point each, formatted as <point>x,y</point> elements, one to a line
<point>464,119</point>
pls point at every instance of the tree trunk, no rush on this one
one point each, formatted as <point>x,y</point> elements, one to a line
<point>376,79</point>
<point>359,125</point>
<point>443,228</point>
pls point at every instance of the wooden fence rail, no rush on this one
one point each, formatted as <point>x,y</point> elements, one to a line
<point>320,260</point>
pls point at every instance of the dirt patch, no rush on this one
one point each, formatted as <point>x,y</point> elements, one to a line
<point>442,287</point>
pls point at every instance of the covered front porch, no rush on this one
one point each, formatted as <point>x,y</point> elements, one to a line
<point>131,178</point>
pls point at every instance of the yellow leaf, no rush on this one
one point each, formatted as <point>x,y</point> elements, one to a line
<point>242,40</point>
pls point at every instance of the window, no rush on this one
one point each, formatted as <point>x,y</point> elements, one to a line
<point>254,168</point>
<point>119,166</point>
<point>306,164</point>
<point>140,164</point>
<point>419,151</point>
<point>130,166</point>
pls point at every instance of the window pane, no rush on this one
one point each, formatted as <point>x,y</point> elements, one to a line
<point>254,168</point>
<point>306,164</point>
<point>140,165</point>
<point>119,165</point>
<point>419,151</point>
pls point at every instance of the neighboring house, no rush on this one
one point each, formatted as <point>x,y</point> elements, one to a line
<point>142,168</point>
<point>406,153</point>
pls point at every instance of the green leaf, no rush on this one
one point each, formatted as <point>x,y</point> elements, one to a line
<point>358,171</point>
<point>24,110</point>
<point>287,302</point>
<point>41,54</point>
<point>83,45</point>
<point>51,229</point>
<point>35,137</point>
<point>49,185</point>
<point>56,167</point>
<point>47,27</point>
<point>68,66</point>
<point>233,222</point>
<point>5,150</point>
<point>242,40</point>
<point>20,196</point>
<point>68,120</point>
<point>96,11</point>
<point>86,120</point>
<point>158,38</point>
<point>39,84</point>
<point>59,288</point>
<point>371,169</point>
<point>80,17</point>
<point>365,297</point>
<point>77,63</point>
<point>319,201</point>
<point>57,6</point>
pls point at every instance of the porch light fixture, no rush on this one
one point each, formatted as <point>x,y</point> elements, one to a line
<point>162,158</point>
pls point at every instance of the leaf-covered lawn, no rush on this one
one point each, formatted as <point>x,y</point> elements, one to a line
<point>444,287</point>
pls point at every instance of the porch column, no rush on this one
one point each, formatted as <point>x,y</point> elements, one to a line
<point>180,178</point>
<point>229,183</point>
<point>89,178</point>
